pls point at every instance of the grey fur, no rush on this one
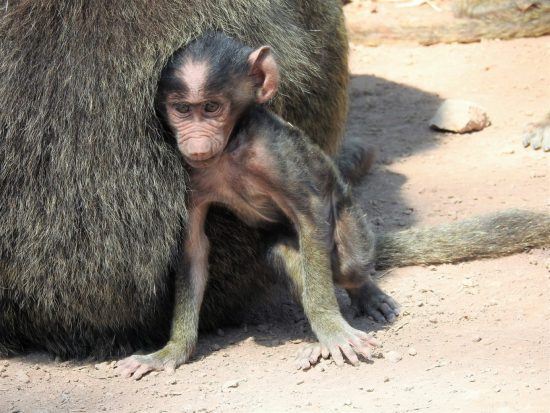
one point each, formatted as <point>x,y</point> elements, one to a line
<point>480,237</point>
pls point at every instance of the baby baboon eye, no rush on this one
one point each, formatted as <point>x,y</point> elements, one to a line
<point>182,108</point>
<point>211,107</point>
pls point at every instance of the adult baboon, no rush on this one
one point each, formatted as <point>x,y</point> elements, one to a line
<point>90,193</point>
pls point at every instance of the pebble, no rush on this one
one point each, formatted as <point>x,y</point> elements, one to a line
<point>460,116</point>
<point>408,388</point>
<point>230,384</point>
<point>476,339</point>
<point>412,351</point>
<point>102,366</point>
<point>386,379</point>
<point>393,356</point>
<point>22,377</point>
<point>432,320</point>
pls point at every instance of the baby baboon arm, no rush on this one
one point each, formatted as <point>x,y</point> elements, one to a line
<point>538,135</point>
<point>310,272</point>
<point>190,283</point>
<point>355,243</point>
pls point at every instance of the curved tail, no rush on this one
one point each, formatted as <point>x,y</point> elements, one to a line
<point>481,237</point>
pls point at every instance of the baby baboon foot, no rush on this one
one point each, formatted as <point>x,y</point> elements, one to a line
<point>376,304</point>
<point>168,359</point>
<point>349,343</point>
<point>538,136</point>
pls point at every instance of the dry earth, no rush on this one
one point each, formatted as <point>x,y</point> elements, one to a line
<point>474,337</point>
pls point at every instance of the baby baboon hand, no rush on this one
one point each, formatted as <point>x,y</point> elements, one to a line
<point>538,136</point>
<point>168,358</point>
<point>348,342</point>
<point>375,303</point>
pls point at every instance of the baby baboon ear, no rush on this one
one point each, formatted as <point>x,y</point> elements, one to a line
<point>264,72</point>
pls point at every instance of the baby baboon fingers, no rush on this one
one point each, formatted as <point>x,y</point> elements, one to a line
<point>303,358</point>
<point>315,354</point>
<point>337,355</point>
<point>537,137</point>
<point>375,314</point>
<point>350,354</point>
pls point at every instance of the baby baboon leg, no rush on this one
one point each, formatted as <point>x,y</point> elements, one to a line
<point>355,249</point>
<point>309,271</point>
<point>190,284</point>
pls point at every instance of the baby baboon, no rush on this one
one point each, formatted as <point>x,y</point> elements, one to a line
<point>247,159</point>
<point>244,157</point>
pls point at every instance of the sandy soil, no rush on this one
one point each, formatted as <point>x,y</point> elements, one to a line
<point>474,337</point>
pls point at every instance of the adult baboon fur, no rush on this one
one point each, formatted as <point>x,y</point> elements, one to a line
<point>92,199</point>
<point>478,19</point>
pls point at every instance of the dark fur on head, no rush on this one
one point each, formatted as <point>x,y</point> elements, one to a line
<point>227,60</point>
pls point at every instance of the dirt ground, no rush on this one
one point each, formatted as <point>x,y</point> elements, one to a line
<point>474,337</point>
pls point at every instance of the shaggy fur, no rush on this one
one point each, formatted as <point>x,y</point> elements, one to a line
<point>92,199</point>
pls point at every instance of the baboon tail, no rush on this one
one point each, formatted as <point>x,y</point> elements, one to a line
<point>481,237</point>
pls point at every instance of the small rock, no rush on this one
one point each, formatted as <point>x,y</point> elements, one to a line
<point>469,283</point>
<point>299,382</point>
<point>220,332</point>
<point>408,388</point>
<point>476,339</point>
<point>386,379</point>
<point>369,389</point>
<point>231,384</point>
<point>172,382</point>
<point>460,116</point>
<point>22,377</point>
<point>393,356</point>
<point>215,347</point>
<point>432,320</point>
<point>412,351</point>
<point>102,366</point>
